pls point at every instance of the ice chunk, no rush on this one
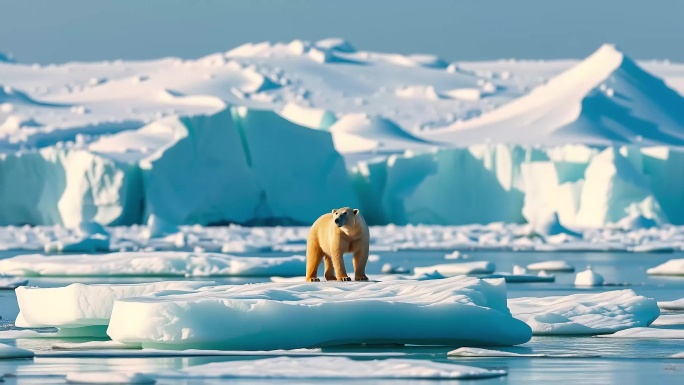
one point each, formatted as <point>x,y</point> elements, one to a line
<point>672,305</point>
<point>648,333</point>
<point>598,313</point>
<point>7,351</point>
<point>560,266</point>
<point>329,368</point>
<point>673,267</point>
<point>519,270</point>
<point>268,316</point>
<point>157,227</point>
<point>479,352</point>
<point>108,378</point>
<point>388,268</point>
<point>153,263</point>
<point>452,269</point>
<point>456,255</point>
<point>93,345</point>
<point>636,221</point>
<point>79,305</point>
<point>522,278</point>
<point>84,244</point>
<point>588,278</point>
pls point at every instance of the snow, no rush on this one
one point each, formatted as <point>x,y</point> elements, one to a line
<point>479,352</point>
<point>452,269</point>
<point>147,264</point>
<point>571,107</point>
<point>296,315</point>
<point>79,305</point>
<point>559,266</point>
<point>108,378</point>
<point>585,314</point>
<point>648,333</point>
<point>329,368</point>
<point>588,278</point>
<point>7,351</point>
<point>673,267</point>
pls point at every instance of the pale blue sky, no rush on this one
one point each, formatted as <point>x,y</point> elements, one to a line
<point>47,31</point>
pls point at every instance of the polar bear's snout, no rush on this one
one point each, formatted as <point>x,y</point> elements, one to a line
<point>341,219</point>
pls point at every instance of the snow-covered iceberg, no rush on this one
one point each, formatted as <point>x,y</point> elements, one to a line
<point>586,314</point>
<point>154,263</point>
<point>457,310</point>
<point>7,351</point>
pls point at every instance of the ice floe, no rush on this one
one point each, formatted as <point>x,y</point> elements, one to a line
<point>647,333</point>
<point>585,314</point>
<point>80,305</point>
<point>230,315</point>
<point>672,305</point>
<point>452,269</point>
<point>479,352</point>
<point>114,378</point>
<point>559,266</point>
<point>184,264</point>
<point>329,368</point>
<point>11,283</point>
<point>673,267</point>
<point>669,320</point>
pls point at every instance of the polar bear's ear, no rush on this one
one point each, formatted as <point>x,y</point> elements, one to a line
<point>356,211</point>
<point>334,211</point>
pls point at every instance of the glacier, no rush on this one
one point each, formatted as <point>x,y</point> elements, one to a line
<point>586,144</point>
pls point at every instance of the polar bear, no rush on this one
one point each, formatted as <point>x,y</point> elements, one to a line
<point>341,231</point>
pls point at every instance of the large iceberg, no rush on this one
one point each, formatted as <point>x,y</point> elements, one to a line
<point>457,310</point>
<point>147,264</point>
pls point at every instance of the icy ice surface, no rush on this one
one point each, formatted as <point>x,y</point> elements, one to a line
<point>672,305</point>
<point>596,313</point>
<point>297,315</point>
<point>108,378</point>
<point>160,263</point>
<point>560,266</point>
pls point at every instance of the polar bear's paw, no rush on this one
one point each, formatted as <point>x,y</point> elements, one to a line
<point>344,279</point>
<point>314,280</point>
<point>364,278</point>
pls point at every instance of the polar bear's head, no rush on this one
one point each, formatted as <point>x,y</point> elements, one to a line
<point>345,217</point>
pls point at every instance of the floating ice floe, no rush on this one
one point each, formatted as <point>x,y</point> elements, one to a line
<point>558,266</point>
<point>184,264</point>
<point>7,351</point>
<point>388,268</point>
<point>677,355</point>
<point>585,314</point>
<point>673,267</point>
<point>300,315</point>
<point>588,278</point>
<point>456,255</point>
<point>77,306</point>
<point>669,320</point>
<point>522,278</point>
<point>108,352</point>
<point>648,333</point>
<point>329,368</point>
<point>452,269</point>
<point>479,352</point>
<point>672,305</point>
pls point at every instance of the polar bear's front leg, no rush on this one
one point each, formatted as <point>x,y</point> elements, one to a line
<point>360,260</point>
<point>337,257</point>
